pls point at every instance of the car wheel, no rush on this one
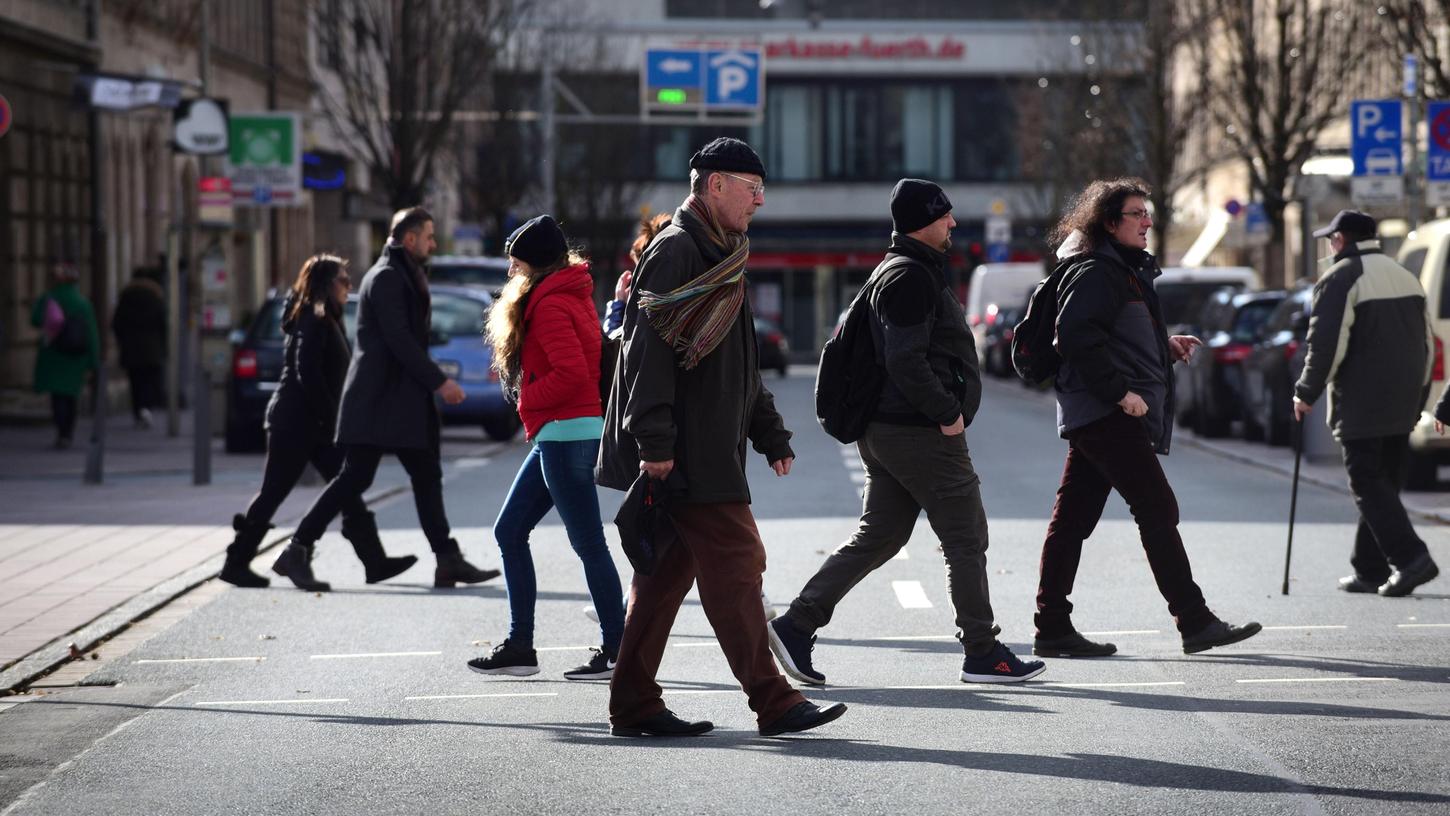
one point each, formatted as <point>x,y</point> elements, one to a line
<point>503,427</point>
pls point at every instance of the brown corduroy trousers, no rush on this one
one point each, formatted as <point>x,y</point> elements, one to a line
<point>720,547</point>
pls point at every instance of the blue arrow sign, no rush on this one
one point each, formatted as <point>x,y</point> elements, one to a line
<point>732,78</point>
<point>674,69</point>
<point>1376,137</point>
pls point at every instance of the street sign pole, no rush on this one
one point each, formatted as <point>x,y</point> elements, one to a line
<point>1412,94</point>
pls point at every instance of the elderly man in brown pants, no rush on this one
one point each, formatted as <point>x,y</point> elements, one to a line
<point>685,400</point>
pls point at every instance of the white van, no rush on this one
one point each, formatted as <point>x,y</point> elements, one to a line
<point>1426,252</point>
<point>1182,291</point>
<point>998,287</point>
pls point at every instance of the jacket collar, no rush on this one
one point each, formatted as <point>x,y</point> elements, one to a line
<point>1370,247</point>
<point>935,259</point>
<point>686,219</point>
<point>1109,251</point>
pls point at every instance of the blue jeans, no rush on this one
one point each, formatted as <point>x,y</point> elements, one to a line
<point>558,475</point>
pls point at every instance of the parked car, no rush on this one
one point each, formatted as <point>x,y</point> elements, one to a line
<point>772,346</point>
<point>997,284</point>
<point>1271,369</point>
<point>1183,290</point>
<point>473,271</point>
<point>1210,387</point>
<point>457,345</point>
<point>1426,252</point>
<point>996,353</point>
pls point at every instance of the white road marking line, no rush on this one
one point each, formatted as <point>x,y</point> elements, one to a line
<point>373,654</point>
<point>1321,680</point>
<point>1422,625</point>
<point>911,595</point>
<point>1287,628</point>
<point>1126,632</point>
<point>270,702</point>
<point>199,659</point>
<point>711,644</point>
<point>1116,685</point>
<point>480,696</point>
<point>465,462</point>
<point>915,637</point>
<point>564,648</point>
<point>701,691</point>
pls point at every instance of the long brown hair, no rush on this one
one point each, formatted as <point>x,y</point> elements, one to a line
<point>313,286</point>
<point>649,227</point>
<point>1096,209</point>
<point>505,331</point>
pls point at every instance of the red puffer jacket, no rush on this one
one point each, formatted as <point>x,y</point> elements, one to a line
<point>559,360</point>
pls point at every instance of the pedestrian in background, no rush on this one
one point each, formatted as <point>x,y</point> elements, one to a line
<point>649,227</point>
<point>139,324</point>
<point>1371,344</point>
<point>686,398</point>
<point>387,407</point>
<point>301,418</point>
<point>915,449</point>
<point>546,342</point>
<point>1115,409</point>
<point>70,348</point>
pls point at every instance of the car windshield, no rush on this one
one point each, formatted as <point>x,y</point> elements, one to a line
<point>1181,302</point>
<point>1250,317</point>
<point>457,316</point>
<point>484,275</point>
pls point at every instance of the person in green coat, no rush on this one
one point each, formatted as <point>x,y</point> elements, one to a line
<point>65,356</point>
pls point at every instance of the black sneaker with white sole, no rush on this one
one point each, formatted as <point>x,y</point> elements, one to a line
<point>792,648</point>
<point>599,667</point>
<point>1000,666</point>
<point>507,658</point>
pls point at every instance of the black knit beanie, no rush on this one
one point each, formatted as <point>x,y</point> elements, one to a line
<point>728,155</point>
<point>538,243</point>
<point>915,203</point>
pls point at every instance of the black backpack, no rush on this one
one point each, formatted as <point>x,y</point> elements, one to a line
<point>850,379</point>
<point>1033,355</point>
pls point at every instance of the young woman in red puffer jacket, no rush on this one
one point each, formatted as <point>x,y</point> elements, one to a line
<point>546,345</point>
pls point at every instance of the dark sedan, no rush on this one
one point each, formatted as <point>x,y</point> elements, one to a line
<point>772,345</point>
<point>1210,387</point>
<point>1271,369</point>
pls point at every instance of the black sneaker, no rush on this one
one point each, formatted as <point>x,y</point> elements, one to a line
<point>507,658</point>
<point>793,648</point>
<point>1218,633</point>
<point>599,667</point>
<point>1000,666</point>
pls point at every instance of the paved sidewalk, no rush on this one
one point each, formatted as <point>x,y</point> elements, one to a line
<point>73,555</point>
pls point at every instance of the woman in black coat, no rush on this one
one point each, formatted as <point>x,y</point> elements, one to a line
<point>300,422</point>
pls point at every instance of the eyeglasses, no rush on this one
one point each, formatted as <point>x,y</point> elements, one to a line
<point>1138,214</point>
<point>757,188</point>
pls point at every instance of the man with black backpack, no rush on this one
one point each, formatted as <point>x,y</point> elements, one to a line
<point>913,445</point>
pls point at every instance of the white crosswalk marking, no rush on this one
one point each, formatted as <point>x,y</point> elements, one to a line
<point>911,595</point>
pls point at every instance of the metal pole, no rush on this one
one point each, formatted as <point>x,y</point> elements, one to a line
<point>174,317</point>
<point>201,386</point>
<point>546,123</point>
<point>1414,190</point>
<point>96,451</point>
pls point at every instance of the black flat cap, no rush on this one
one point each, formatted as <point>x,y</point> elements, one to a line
<point>539,242</point>
<point>1358,224</point>
<point>728,155</point>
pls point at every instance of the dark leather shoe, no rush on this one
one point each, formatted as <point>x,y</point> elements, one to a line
<point>453,569</point>
<point>295,564</point>
<point>663,724</point>
<point>1403,581</point>
<point>803,717</point>
<point>1358,583</point>
<point>1218,633</point>
<point>1072,644</point>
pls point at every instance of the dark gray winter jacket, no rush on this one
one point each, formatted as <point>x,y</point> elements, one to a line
<point>1111,338</point>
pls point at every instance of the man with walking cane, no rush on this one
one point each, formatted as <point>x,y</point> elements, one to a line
<point>1370,344</point>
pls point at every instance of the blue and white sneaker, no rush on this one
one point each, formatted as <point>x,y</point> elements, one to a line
<point>1000,666</point>
<point>792,648</point>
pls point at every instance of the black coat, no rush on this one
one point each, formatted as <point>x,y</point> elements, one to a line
<point>700,418</point>
<point>387,400</point>
<point>139,324</point>
<point>314,365</point>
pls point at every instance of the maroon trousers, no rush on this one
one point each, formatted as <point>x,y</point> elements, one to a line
<point>720,548</point>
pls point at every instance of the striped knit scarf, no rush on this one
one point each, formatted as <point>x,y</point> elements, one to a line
<point>694,318</point>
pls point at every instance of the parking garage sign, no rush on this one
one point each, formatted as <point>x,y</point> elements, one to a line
<point>1375,145</point>
<point>699,81</point>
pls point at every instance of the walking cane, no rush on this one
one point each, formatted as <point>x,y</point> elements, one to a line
<point>1298,441</point>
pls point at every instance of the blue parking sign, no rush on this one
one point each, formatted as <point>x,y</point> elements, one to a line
<point>1375,137</point>
<point>732,78</point>
<point>674,69</point>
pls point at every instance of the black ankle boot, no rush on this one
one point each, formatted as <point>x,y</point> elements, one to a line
<point>453,570</point>
<point>295,564</point>
<point>362,531</point>
<point>237,569</point>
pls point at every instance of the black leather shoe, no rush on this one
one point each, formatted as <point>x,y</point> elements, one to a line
<point>1072,644</point>
<point>803,717</point>
<point>663,724</point>
<point>453,569</point>
<point>1403,581</point>
<point>295,564</point>
<point>1218,633</point>
<point>1358,583</point>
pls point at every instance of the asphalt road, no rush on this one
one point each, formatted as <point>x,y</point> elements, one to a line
<point>359,701</point>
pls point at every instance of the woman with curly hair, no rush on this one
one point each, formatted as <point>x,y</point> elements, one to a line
<point>1115,409</point>
<point>546,347</point>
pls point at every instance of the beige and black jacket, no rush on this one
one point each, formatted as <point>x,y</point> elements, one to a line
<point>1370,343</point>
